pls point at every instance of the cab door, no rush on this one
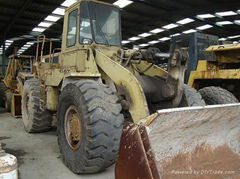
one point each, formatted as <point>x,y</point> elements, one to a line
<point>70,35</point>
<point>77,39</point>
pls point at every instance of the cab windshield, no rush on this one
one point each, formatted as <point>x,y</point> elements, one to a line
<point>100,23</point>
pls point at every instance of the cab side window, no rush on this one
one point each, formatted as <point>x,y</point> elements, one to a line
<point>85,26</point>
<point>72,28</point>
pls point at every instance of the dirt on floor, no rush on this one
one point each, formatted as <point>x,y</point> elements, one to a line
<point>38,154</point>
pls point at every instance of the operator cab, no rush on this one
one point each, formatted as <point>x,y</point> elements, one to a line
<point>98,23</point>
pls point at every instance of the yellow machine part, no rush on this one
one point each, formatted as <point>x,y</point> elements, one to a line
<point>52,98</point>
<point>226,53</point>
<point>227,47</point>
<point>13,81</point>
<point>13,66</point>
<point>130,84</point>
<point>208,70</point>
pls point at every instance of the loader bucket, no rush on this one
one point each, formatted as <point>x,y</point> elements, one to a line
<point>182,143</point>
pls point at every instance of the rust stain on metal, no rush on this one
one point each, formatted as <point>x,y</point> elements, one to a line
<point>205,162</point>
<point>136,160</point>
<point>199,140</point>
<point>183,143</point>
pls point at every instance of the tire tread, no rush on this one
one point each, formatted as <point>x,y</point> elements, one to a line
<point>191,97</point>
<point>104,123</point>
<point>42,119</point>
<point>217,95</point>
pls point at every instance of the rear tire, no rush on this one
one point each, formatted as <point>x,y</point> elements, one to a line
<point>216,95</point>
<point>191,97</point>
<point>34,118</point>
<point>89,126</point>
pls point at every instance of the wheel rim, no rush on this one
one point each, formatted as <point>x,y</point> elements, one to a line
<point>72,127</point>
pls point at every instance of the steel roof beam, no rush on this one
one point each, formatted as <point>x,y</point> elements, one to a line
<point>18,14</point>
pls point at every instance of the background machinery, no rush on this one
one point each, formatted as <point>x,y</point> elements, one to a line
<point>93,85</point>
<point>18,65</point>
<point>213,69</point>
<point>218,77</point>
<point>195,44</point>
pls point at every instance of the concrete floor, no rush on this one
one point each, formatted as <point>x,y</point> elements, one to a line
<point>38,154</point>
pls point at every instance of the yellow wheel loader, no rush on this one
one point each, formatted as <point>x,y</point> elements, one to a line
<point>11,86</point>
<point>218,77</point>
<point>93,86</point>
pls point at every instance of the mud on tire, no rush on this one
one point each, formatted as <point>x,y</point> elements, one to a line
<point>96,110</point>
<point>34,118</point>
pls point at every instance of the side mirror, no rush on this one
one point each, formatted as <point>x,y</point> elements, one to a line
<point>87,41</point>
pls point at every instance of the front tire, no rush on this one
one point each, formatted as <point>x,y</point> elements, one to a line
<point>89,126</point>
<point>216,95</point>
<point>34,118</point>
